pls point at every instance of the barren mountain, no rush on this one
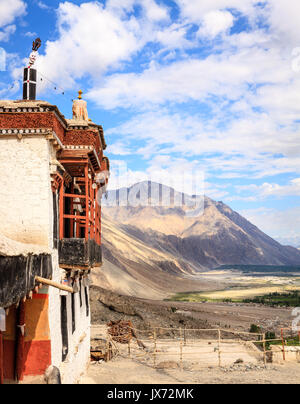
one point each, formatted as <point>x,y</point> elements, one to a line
<point>159,245</point>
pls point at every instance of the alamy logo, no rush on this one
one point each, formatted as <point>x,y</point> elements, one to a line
<point>2,60</point>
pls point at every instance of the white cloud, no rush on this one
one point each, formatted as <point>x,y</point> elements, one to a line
<point>150,9</point>
<point>10,90</point>
<point>283,16</point>
<point>7,32</point>
<point>252,147</point>
<point>111,38</point>
<point>30,34</point>
<point>88,48</point>
<point>215,23</point>
<point>243,72</point>
<point>9,11</point>
<point>267,190</point>
<point>196,9</point>
<point>223,75</point>
<point>174,37</point>
<point>43,5</point>
<point>154,12</point>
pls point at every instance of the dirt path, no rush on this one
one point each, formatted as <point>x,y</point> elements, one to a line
<point>127,371</point>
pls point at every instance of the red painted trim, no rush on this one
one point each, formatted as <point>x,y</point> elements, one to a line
<point>40,296</point>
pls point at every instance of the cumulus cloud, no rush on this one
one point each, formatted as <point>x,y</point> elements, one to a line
<point>267,190</point>
<point>30,34</point>
<point>215,23</point>
<point>249,148</point>
<point>9,11</point>
<point>246,83</point>
<point>223,75</point>
<point>7,32</point>
<point>111,38</point>
<point>225,100</point>
<point>149,8</point>
<point>87,48</point>
<point>43,5</point>
<point>195,10</point>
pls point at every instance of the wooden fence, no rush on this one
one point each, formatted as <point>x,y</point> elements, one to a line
<point>156,347</point>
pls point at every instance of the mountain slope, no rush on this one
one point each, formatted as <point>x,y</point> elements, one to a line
<point>219,236</point>
<point>134,267</point>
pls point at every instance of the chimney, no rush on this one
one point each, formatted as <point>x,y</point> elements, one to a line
<point>30,74</point>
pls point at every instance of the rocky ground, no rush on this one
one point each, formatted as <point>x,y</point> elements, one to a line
<point>107,306</point>
<point>145,314</point>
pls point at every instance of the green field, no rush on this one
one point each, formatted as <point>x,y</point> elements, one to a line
<point>274,299</point>
<point>291,299</point>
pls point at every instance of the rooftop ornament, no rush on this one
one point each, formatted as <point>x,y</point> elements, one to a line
<point>30,74</point>
<point>80,112</point>
<point>35,47</point>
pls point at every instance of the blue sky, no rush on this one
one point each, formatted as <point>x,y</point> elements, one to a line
<point>181,87</point>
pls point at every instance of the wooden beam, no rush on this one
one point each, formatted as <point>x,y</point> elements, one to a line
<point>54,284</point>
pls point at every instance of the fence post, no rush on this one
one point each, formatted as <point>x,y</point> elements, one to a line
<point>129,348</point>
<point>283,346</point>
<point>181,364</point>
<point>107,347</point>
<point>265,352</point>
<point>155,346</point>
<point>219,347</point>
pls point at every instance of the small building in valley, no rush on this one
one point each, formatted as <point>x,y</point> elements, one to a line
<point>53,175</point>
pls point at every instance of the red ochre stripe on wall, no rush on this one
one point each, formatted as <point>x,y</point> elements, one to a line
<point>40,296</point>
<point>37,344</point>
<point>9,359</point>
<point>38,357</point>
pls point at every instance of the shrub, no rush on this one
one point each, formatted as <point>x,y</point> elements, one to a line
<point>255,329</point>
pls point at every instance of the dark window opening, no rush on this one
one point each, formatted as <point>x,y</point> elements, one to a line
<point>64,327</point>
<point>80,292</point>
<point>55,221</point>
<point>73,313</point>
<point>87,301</point>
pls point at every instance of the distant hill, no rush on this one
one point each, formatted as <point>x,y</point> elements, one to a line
<point>157,240</point>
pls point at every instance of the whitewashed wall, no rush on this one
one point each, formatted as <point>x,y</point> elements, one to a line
<point>78,357</point>
<point>26,203</point>
<point>26,215</point>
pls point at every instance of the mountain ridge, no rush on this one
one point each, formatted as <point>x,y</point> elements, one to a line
<point>219,233</point>
<point>163,249</point>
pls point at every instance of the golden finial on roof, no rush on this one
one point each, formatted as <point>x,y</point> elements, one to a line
<point>80,94</point>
